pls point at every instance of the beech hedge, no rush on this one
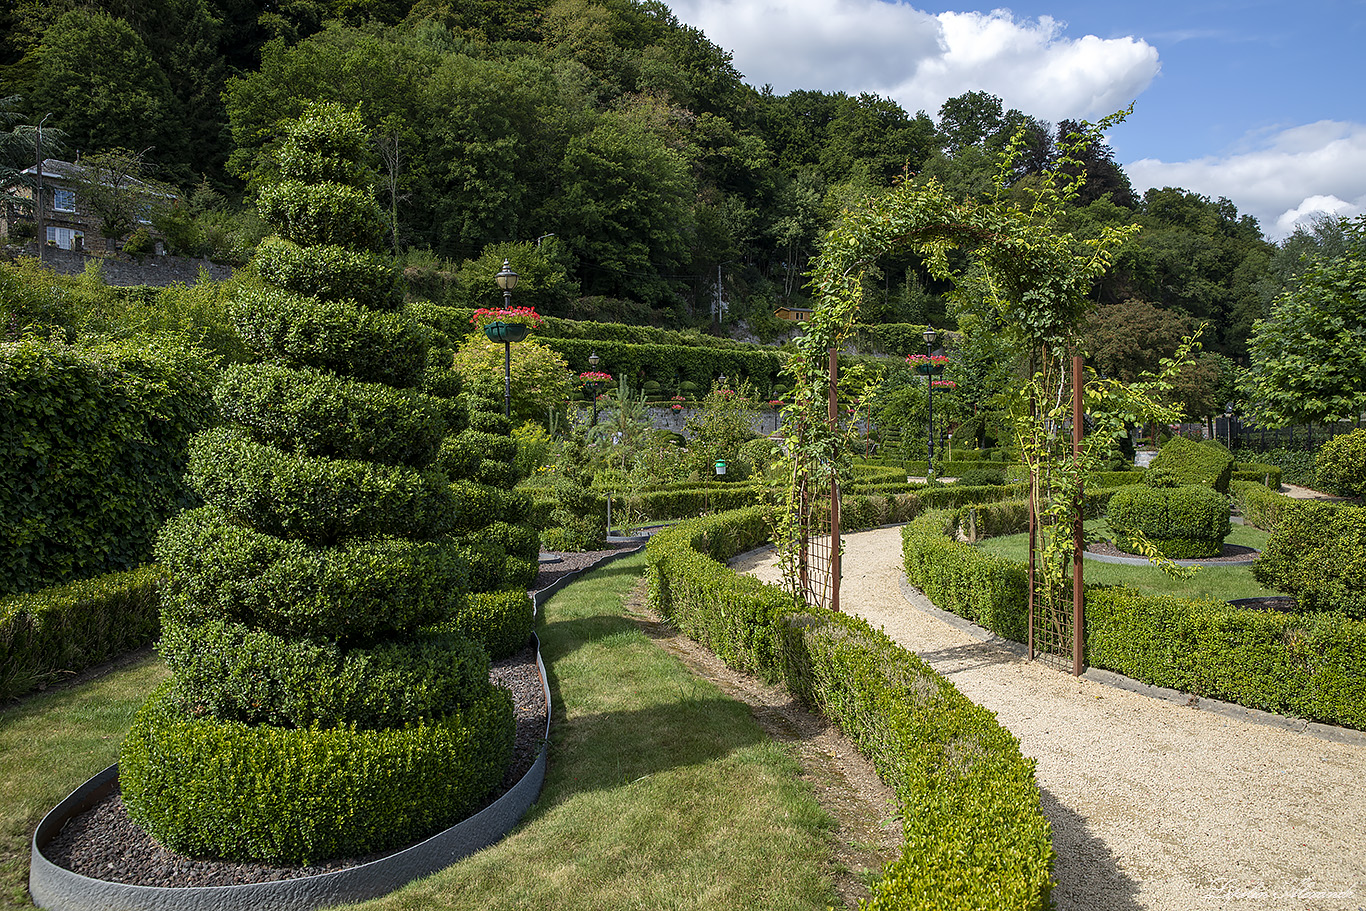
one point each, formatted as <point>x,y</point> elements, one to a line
<point>93,453</point>
<point>56,631</point>
<point>284,796</point>
<point>974,834</point>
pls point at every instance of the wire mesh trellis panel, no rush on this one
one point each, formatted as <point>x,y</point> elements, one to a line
<point>1053,629</point>
<point>817,557</point>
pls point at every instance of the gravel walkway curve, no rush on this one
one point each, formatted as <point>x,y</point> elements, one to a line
<point>1154,805</point>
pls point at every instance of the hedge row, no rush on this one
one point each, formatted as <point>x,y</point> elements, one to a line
<point>1318,554</point>
<point>974,833</point>
<point>1259,506</point>
<point>1268,476</point>
<point>1308,665</point>
<point>92,454</point>
<point>57,631</point>
<point>282,796</point>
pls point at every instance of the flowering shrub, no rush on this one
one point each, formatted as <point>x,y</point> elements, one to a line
<point>944,384</point>
<point>679,398</point>
<point>521,316</point>
<point>595,376</point>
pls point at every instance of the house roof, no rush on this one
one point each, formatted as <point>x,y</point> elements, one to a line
<point>70,170</point>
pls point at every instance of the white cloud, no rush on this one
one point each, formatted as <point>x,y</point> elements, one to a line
<point>1282,179</point>
<point>920,59</point>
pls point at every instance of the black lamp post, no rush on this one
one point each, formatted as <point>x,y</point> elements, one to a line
<point>507,280</point>
<point>930,335</point>
<point>594,384</point>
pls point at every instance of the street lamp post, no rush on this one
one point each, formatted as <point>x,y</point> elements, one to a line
<point>930,335</point>
<point>507,280</point>
<point>593,364</point>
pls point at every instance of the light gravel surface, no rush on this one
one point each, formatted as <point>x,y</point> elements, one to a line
<point>1154,805</point>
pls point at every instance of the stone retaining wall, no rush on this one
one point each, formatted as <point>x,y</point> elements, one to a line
<point>122,270</point>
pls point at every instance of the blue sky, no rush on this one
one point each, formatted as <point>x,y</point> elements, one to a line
<point>1261,102</point>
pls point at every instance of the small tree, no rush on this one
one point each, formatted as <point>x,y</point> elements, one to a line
<point>114,187</point>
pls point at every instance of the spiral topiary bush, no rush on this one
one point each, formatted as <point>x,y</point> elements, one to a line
<point>330,693</point>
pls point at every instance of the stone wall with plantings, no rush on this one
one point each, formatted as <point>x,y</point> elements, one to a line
<point>1310,665</point>
<point>54,632</point>
<point>974,834</point>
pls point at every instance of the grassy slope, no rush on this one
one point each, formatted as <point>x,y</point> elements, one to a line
<point>661,792</point>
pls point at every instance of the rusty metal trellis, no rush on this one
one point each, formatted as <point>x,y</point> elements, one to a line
<point>818,522</point>
<point>1057,625</point>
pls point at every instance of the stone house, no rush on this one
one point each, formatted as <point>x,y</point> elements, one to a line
<point>67,223</point>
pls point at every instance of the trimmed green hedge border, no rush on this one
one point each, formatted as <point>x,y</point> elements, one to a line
<point>975,836</point>
<point>1306,665</point>
<point>62,630</point>
<point>1259,506</point>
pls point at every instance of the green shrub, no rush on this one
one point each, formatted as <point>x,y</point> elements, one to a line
<point>93,453</point>
<point>1182,522</point>
<point>974,833</point>
<point>318,498</point>
<point>65,629</point>
<point>500,621</point>
<point>324,415</point>
<point>1267,475</point>
<point>1259,506</point>
<point>1318,554</point>
<point>1309,665</point>
<point>356,590</point>
<point>1341,464</point>
<point>339,336</point>
<point>1206,463</point>
<point>1305,665</point>
<point>238,673</point>
<point>981,478</point>
<point>327,272</point>
<point>209,788</point>
<point>1296,465</point>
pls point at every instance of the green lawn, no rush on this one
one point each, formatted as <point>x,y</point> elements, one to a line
<point>661,792</point>
<point>1212,581</point>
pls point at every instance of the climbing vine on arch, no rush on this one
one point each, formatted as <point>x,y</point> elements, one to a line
<point>1035,275</point>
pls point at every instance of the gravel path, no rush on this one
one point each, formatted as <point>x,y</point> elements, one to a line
<point>1153,805</point>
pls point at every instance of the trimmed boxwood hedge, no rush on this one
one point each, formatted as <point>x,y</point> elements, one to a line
<point>321,499</point>
<point>68,628</point>
<point>1208,464</point>
<point>1308,665</point>
<point>1182,522</point>
<point>357,590</point>
<point>284,796</point>
<point>1259,506</point>
<point>320,414</point>
<point>239,673</point>
<point>1318,554</point>
<point>974,833</point>
<point>500,621</point>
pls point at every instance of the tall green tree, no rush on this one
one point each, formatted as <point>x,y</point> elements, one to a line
<point>1309,356</point>
<point>105,89</point>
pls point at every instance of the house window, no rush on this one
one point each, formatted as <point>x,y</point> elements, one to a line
<point>65,238</point>
<point>64,200</point>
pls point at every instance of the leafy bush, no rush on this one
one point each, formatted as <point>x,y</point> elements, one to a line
<point>68,628</point>
<point>974,833</point>
<point>1183,522</point>
<point>1310,665</point>
<point>362,589</point>
<point>1318,554</point>
<point>1205,463</point>
<point>1341,464</point>
<point>92,455</point>
<point>208,787</point>
<point>1296,465</point>
<point>500,621</point>
<point>235,672</point>
<point>1263,473</point>
<point>1259,506</point>
<point>981,478</point>
<point>327,272</point>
